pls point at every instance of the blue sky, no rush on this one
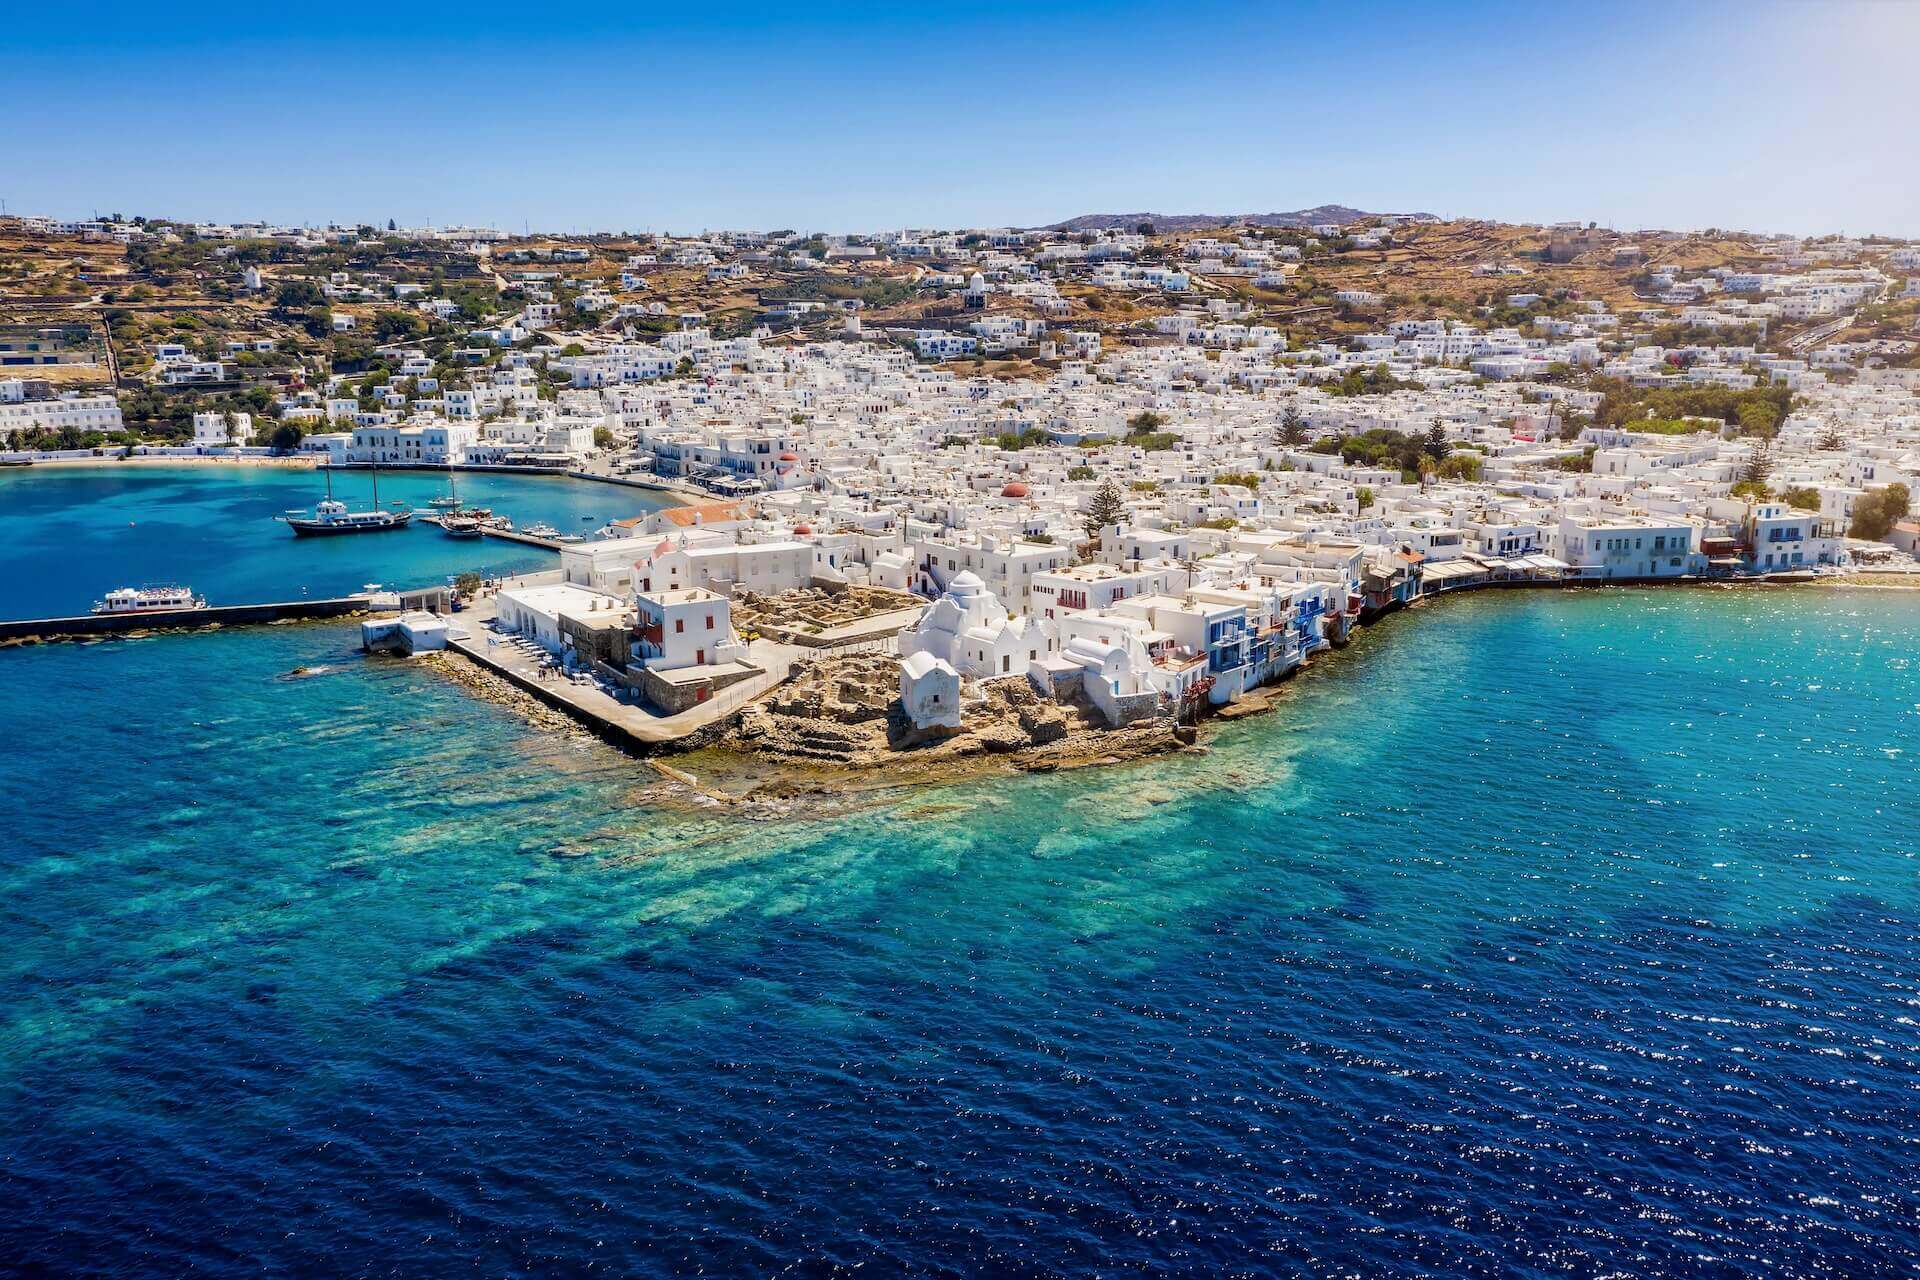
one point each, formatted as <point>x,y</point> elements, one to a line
<point>1689,113</point>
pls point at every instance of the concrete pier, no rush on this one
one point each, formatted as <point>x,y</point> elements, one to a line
<point>508,535</point>
<point>95,625</point>
<point>636,729</point>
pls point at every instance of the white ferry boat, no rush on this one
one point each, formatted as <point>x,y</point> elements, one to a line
<point>149,600</point>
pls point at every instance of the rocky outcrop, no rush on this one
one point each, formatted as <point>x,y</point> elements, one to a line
<point>846,710</point>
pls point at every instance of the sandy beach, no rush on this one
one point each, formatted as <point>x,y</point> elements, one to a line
<point>297,462</point>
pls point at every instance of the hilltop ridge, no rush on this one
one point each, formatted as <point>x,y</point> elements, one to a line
<point>1320,213</point>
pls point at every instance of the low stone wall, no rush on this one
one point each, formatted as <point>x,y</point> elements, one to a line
<point>673,698</point>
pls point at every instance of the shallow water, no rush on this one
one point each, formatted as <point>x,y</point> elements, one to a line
<point>1532,935</point>
<point>70,535</point>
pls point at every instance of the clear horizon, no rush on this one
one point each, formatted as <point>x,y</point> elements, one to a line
<point>854,117</point>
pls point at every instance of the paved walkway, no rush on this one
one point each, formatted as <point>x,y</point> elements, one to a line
<point>530,667</point>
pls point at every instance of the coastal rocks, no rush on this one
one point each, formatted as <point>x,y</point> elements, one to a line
<point>845,712</point>
<point>486,686</point>
<point>1042,723</point>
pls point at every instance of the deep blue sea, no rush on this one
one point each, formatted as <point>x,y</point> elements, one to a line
<point>69,535</point>
<point>1533,935</point>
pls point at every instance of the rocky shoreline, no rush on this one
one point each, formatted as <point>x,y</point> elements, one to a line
<point>488,687</point>
<point>833,736</point>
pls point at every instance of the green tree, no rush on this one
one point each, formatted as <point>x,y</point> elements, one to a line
<point>1293,428</point>
<point>1759,465</point>
<point>1758,418</point>
<point>1435,442</point>
<point>286,437</point>
<point>1105,508</point>
<point>1875,514</point>
<point>299,295</point>
<point>390,324</point>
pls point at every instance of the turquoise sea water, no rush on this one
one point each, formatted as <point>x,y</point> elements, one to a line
<point>70,535</point>
<point>1533,935</point>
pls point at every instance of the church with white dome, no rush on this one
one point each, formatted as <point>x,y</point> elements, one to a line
<point>968,628</point>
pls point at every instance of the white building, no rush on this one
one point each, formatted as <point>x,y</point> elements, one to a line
<point>219,430</point>
<point>1629,546</point>
<point>536,612</point>
<point>929,692</point>
<point>81,412</point>
<point>685,628</point>
<point>971,630</point>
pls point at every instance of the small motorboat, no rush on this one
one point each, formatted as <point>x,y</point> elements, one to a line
<point>460,527</point>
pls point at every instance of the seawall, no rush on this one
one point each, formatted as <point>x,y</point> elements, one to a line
<point>94,625</point>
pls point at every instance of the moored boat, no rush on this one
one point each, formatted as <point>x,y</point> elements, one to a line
<point>333,517</point>
<point>149,600</point>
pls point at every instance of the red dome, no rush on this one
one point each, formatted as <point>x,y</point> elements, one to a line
<point>1014,490</point>
<point>803,528</point>
<point>789,457</point>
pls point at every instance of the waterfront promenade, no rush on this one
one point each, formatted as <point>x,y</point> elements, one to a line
<point>623,723</point>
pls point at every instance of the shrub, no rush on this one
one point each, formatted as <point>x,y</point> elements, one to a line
<point>1875,514</point>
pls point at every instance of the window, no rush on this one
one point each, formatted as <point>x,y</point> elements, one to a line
<point>709,622</point>
<point>679,625</point>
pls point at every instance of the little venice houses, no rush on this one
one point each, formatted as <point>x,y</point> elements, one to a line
<point>1630,546</point>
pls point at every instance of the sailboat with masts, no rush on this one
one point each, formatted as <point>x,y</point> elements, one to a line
<point>332,516</point>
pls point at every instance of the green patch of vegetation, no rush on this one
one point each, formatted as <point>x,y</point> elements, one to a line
<point>1875,514</point>
<point>1031,438</point>
<point>1801,499</point>
<point>1080,473</point>
<point>1244,479</point>
<point>1369,382</point>
<point>1672,426</point>
<point>1758,411</point>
